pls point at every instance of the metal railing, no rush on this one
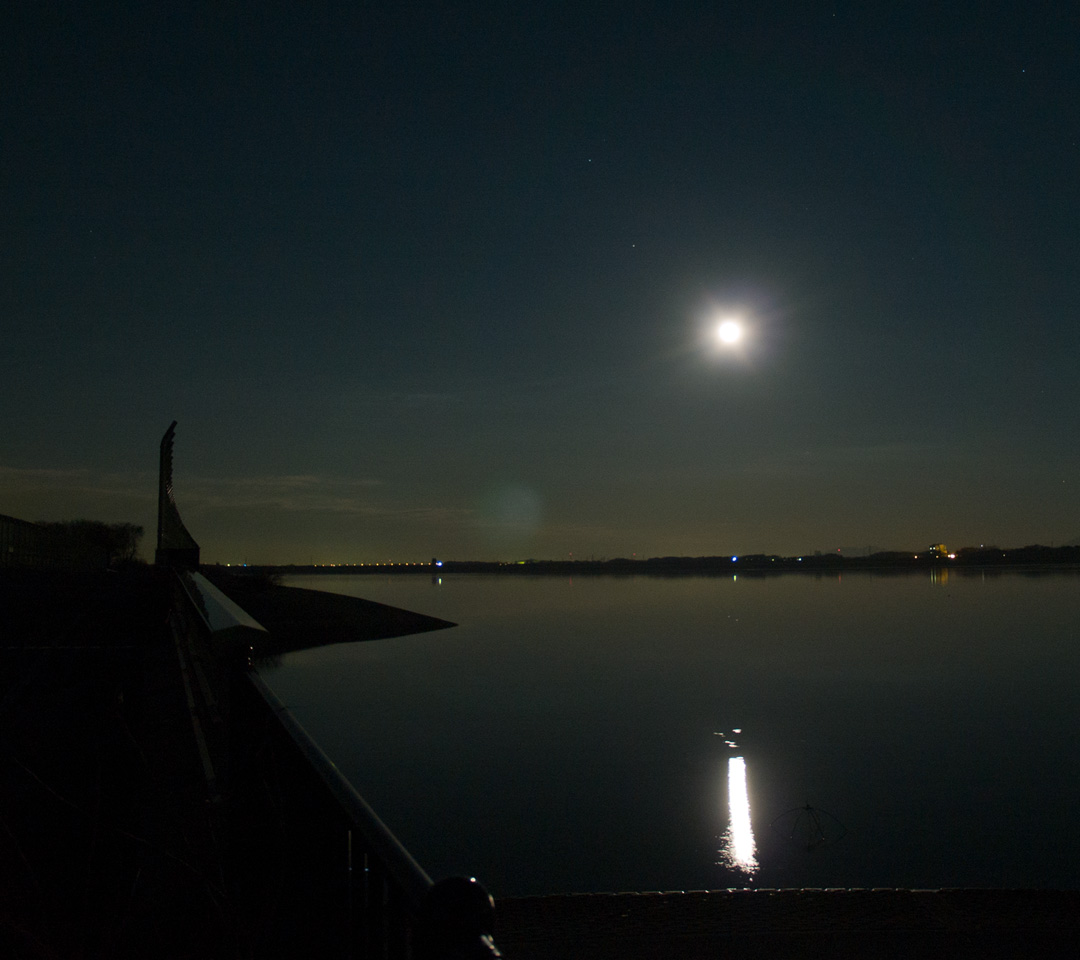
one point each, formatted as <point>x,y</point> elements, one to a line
<point>312,870</point>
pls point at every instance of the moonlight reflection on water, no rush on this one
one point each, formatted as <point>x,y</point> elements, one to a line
<point>739,851</point>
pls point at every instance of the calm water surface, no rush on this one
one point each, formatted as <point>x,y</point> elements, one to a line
<point>646,733</point>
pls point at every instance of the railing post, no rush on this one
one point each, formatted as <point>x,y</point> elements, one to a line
<point>458,921</point>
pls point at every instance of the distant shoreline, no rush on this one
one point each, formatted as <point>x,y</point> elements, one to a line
<point>1027,558</point>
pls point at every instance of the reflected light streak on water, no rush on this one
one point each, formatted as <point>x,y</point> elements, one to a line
<point>739,852</point>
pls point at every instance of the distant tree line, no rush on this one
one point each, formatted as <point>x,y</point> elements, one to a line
<point>1031,555</point>
<point>120,541</point>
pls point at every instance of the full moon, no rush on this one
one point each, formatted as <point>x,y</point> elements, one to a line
<point>730,331</point>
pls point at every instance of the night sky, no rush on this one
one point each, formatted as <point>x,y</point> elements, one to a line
<point>423,280</point>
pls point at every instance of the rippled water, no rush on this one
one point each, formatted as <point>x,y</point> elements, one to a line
<point>646,733</point>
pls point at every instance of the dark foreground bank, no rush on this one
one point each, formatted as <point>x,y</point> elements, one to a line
<point>107,847</point>
<point>150,806</point>
<point>794,925</point>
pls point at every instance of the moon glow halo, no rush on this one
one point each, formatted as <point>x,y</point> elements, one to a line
<point>729,332</point>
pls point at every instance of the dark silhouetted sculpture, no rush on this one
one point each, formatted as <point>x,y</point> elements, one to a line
<point>175,546</point>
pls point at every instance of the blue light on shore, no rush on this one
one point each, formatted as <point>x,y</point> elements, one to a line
<point>733,559</point>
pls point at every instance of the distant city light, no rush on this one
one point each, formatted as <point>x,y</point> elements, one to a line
<point>734,559</point>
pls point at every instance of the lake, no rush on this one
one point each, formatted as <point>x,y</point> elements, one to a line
<point>604,733</point>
